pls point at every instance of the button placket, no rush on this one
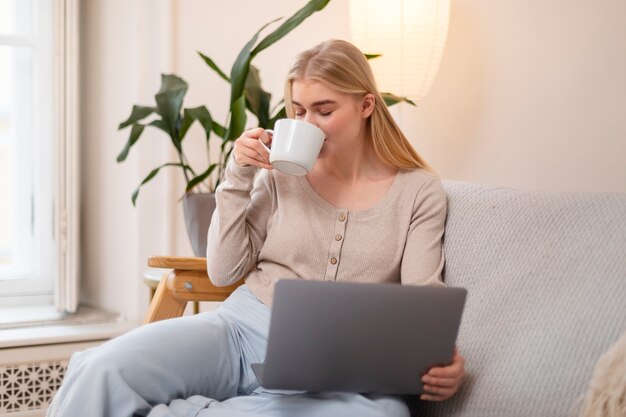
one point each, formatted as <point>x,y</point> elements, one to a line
<point>334,254</point>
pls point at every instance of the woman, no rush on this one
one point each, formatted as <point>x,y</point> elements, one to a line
<point>367,186</point>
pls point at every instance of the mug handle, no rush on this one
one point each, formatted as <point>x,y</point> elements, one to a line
<point>271,132</point>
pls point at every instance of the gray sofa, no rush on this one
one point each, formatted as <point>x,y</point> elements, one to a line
<point>546,280</point>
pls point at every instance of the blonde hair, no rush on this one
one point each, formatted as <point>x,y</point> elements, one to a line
<point>606,395</point>
<point>344,67</point>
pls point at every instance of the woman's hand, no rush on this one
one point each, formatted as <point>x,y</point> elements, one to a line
<point>441,383</point>
<point>248,151</point>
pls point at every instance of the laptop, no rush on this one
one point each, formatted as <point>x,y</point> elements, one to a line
<point>356,337</point>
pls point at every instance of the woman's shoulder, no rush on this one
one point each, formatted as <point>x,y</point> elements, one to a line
<point>420,179</point>
<point>424,188</point>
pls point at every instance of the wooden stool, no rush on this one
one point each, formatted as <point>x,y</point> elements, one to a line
<point>152,277</point>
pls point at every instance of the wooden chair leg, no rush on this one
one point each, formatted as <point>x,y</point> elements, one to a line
<point>164,304</point>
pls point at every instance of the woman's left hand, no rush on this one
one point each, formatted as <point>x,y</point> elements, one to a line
<point>441,383</point>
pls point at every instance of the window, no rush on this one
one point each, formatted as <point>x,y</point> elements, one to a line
<point>37,134</point>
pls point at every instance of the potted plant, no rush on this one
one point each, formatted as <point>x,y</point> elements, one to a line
<point>246,94</point>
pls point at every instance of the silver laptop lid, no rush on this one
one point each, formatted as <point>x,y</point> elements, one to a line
<point>328,336</point>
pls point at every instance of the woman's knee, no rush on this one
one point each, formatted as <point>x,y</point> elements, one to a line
<point>392,406</point>
<point>93,363</point>
<point>183,357</point>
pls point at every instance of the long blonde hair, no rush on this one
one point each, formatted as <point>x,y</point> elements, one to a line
<point>606,394</point>
<point>344,67</point>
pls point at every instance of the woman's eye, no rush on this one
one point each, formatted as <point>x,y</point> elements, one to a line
<point>326,113</point>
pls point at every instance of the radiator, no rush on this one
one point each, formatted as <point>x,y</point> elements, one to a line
<point>29,387</point>
<point>31,375</point>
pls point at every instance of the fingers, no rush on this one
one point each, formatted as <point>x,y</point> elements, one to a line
<point>437,393</point>
<point>264,135</point>
<point>439,389</point>
<point>455,370</point>
<point>441,383</point>
<point>248,151</point>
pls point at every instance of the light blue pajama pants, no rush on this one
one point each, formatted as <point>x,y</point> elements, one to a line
<point>196,366</point>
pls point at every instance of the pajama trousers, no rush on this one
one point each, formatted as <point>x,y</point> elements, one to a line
<point>197,366</point>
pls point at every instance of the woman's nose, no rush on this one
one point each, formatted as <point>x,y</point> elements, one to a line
<point>310,118</point>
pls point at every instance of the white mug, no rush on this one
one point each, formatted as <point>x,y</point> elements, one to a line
<point>295,146</point>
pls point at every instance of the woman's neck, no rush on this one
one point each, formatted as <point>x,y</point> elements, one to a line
<point>354,165</point>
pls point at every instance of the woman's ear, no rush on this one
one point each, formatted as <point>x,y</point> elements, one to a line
<point>367,105</point>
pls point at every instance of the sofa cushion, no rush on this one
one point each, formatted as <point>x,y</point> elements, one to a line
<point>546,280</point>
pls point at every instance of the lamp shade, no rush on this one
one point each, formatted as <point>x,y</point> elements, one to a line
<point>409,34</point>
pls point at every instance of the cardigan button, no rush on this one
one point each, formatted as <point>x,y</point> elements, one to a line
<point>333,261</point>
<point>341,217</point>
<point>338,237</point>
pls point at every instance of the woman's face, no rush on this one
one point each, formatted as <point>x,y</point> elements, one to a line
<point>340,116</point>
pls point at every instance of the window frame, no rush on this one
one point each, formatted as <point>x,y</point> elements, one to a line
<point>59,270</point>
<point>67,203</point>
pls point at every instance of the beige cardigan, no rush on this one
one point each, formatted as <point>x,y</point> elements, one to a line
<point>276,226</point>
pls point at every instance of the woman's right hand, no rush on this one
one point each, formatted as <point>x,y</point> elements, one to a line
<point>249,151</point>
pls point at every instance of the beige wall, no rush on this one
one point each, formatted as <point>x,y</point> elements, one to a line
<point>208,27</point>
<point>126,45</point>
<point>529,95</point>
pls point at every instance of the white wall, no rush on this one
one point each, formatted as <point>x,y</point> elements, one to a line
<point>529,95</point>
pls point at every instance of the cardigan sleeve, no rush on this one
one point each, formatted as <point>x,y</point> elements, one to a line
<point>423,258</point>
<point>239,224</point>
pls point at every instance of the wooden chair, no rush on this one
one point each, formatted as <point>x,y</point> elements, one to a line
<point>187,282</point>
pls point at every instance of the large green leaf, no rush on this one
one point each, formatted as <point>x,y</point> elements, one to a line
<point>391,99</point>
<point>239,71</point>
<point>185,125</point>
<point>202,115</point>
<point>214,66</point>
<point>280,105</point>
<point>135,132</point>
<point>281,114</point>
<point>290,24</point>
<point>197,180</point>
<point>219,130</point>
<point>372,56</point>
<point>169,102</point>
<point>237,119</point>
<point>257,99</point>
<point>158,123</point>
<point>153,173</point>
<point>138,113</point>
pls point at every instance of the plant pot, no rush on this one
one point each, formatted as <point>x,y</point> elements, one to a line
<point>198,209</point>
